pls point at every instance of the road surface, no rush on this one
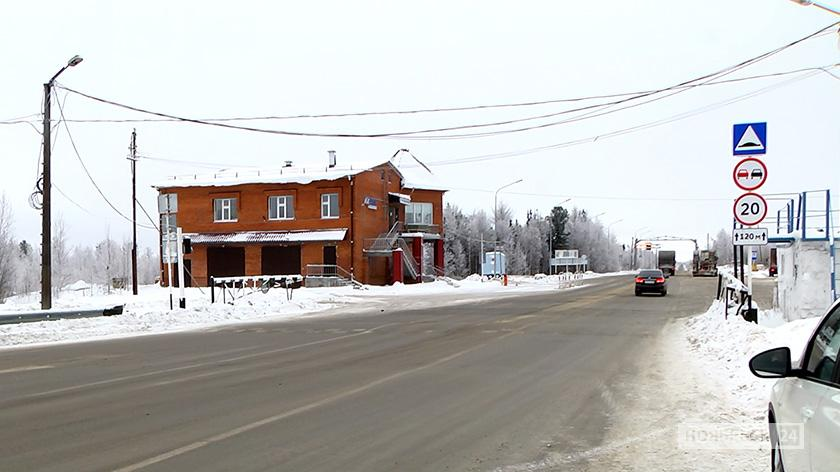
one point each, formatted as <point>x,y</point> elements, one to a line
<point>476,386</point>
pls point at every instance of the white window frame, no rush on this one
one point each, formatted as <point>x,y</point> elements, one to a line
<point>288,206</point>
<point>326,207</point>
<point>426,213</point>
<point>229,205</point>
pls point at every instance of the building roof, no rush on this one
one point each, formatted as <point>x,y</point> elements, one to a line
<point>414,176</point>
<point>282,175</point>
<point>250,237</point>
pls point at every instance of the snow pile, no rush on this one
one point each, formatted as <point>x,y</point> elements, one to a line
<point>724,347</point>
<point>149,313</point>
<point>78,285</point>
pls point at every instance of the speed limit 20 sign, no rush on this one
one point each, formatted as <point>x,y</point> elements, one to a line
<point>750,209</point>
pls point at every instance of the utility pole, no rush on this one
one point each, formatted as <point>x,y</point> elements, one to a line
<point>133,158</point>
<point>46,224</point>
<point>46,192</point>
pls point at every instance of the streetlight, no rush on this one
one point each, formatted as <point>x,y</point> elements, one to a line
<point>496,225</point>
<point>807,3</point>
<point>634,249</point>
<point>610,226</point>
<point>46,225</point>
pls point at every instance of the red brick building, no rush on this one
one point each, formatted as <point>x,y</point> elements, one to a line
<point>370,223</point>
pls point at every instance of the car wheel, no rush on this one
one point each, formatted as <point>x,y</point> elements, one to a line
<point>638,293</point>
<point>776,464</point>
<point>664,292</point>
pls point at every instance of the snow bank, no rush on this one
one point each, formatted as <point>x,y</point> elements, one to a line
<point>724,347</point>
<point>149,313</point>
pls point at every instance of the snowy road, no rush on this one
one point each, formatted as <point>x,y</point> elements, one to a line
<point>539,381</point>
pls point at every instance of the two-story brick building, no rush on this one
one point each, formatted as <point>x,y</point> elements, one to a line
<point>368,222</point>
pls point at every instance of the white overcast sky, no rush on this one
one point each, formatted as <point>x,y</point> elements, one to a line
<point>214,59</point>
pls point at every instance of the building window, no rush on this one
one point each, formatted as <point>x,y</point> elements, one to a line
<point>225,210</point>
<point>281,207</point>
<point>418,214</point>
<point>329,205</point>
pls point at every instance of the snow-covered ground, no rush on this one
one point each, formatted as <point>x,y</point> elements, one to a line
<point>149,313</point>
<point>725,345</point>
<point>697,374</point>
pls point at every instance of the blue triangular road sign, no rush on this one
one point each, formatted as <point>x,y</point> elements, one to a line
<point>749,139</point>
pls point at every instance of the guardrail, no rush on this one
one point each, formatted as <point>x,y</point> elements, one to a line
<point>49,315</point>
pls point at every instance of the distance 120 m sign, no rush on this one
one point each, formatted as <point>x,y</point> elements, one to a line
<point>750,209</point>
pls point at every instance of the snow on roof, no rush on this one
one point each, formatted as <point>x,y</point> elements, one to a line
<point>242,237</point>
<point>282,175</point>
<point>414,175</point>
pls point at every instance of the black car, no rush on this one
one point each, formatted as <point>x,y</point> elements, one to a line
<point>651,280</point>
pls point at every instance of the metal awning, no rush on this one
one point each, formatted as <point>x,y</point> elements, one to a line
<point>262,237</point>
<point>402,198</point>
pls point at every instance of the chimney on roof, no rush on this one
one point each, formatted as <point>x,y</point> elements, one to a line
<point>288,164</point>
<point>332,158</point>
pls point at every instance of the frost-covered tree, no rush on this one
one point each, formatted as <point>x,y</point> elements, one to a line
<point>61,269</point>
<point>455,235</point>
<point>28,271</point>
<point>722,245</point>
<point>8,261</point>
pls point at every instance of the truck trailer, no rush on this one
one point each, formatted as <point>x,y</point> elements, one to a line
<point>667,262</point>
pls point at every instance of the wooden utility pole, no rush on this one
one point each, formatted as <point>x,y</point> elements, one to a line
<point>133,158</point>
<point>46,224</point>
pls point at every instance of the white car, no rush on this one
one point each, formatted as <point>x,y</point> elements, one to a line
<point>804,410</point>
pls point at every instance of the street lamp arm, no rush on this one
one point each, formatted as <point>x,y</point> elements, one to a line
<point>820,5</point>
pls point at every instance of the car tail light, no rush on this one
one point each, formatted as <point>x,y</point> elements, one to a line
<point>660,280</point>
<point>640,280</point>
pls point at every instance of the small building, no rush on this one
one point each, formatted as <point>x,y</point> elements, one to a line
<point>567,260</point>
<point>371,223</point>
<point>494,265</point>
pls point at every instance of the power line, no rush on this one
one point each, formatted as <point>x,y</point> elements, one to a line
<point>707,77</point>
<point>619,132</point>
<point>87,172</point>
<point>213,165</point>
<point>439,110</point>
<point>587,140</point>
<point>148,216</point>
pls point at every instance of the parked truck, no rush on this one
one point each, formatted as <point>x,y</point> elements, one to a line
<point>705,264</point>
<point>667,262</point>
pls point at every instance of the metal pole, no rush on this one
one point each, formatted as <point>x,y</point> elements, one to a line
<point>182,300</point>
<point>496,233</point>
<point>168,253</point>
<point>46,225</point>
<point>133,160</point>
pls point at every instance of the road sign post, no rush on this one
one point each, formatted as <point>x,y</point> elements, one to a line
<point>749,174</point>
<point>750,209</point>
<point>749,236</point>
<point>749,139</point>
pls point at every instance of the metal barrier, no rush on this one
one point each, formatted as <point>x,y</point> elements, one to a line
<point>332,272</point>
<point>569,279</point>
<point>733,291</point>
<point>48,315</point>
<point>238,287</point>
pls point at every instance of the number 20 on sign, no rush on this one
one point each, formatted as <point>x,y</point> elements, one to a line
<point>750,209</point>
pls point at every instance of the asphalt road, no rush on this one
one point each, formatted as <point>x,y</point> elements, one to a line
<point>475,386</point>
